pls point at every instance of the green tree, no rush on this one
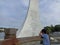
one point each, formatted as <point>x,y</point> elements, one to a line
<point>52,28</point>
<point>57,28</point>
<point>48,29</point>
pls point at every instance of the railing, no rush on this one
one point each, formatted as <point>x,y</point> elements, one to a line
<point>19,41</point>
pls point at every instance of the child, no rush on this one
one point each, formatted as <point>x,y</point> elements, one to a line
<point>45,37</point>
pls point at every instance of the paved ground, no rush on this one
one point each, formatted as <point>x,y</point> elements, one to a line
<point>36,43</point>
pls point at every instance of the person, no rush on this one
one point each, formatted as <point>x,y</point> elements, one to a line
<point>43,34</point>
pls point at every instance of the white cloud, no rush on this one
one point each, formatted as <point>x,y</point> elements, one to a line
<point>50,12</point>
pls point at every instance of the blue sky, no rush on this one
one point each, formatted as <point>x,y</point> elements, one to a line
<point>13,12</point>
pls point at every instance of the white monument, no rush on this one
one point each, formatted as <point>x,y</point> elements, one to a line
<point>32,25</point>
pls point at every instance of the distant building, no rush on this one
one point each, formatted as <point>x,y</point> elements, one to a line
<point>1,29</point>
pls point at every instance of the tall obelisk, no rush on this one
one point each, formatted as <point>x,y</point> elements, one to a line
<point>32,25</point>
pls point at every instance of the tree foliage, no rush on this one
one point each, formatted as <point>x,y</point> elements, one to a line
<point>57,28</point>
<point>51,29</point>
